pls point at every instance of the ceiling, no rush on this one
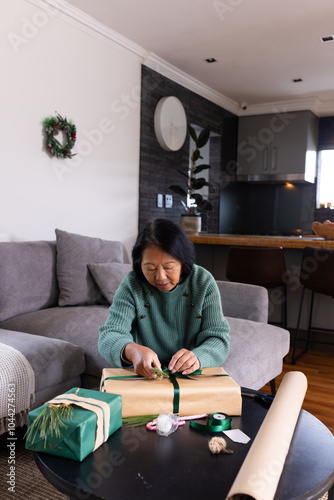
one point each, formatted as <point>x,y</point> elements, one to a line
<point>260,46</point>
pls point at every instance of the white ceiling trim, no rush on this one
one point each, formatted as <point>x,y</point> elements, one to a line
<point>168,70</point>
<point>313,104</point>
<point>88,24</point>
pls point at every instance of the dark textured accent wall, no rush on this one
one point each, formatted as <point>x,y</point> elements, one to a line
<point>159,168</point>
<point>326,133</point>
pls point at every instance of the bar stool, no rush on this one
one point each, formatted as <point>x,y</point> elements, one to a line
<point>259,266</point>
<point>317,275</point>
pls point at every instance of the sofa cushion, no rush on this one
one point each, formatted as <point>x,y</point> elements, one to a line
<point>78,325</point>
<point>74,252</point>
<point>28,277</point>
<point>55,390</point>
<point>53,361</point>
<point>108,277</point>
<point>244,301</point>
<point>260,347</point>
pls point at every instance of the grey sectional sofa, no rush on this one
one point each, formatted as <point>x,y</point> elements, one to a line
<point>54,295</point>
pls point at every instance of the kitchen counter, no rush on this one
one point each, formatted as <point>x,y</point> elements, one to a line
<point>212,253</point>
<point>261,241</point>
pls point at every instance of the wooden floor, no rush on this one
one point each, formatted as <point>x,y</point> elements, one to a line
<point>318,367</point>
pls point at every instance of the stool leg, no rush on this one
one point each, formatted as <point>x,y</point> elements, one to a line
<point>294,357</point>
<point>310,323</point>
<point>331,493</point>
<point>273,387</point>
<point>284,307</point>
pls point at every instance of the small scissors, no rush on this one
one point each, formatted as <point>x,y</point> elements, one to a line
<point>266,399</point>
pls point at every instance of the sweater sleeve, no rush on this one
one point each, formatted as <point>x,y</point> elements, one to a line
<point>213,341</point>
<point>116,332</point>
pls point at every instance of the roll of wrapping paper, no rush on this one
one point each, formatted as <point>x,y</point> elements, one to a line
<point>262,468</point>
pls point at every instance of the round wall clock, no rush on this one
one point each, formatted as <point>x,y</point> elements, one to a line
<point>170,123</point>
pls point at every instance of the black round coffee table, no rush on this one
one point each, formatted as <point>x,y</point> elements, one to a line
<point>139,464</point>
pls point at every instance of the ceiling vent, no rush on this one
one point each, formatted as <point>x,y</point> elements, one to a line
<point>329,38</point>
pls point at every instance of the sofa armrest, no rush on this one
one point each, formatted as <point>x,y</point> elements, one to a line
<point>244,301</point>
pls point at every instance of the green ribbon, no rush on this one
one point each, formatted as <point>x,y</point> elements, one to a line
<point>172,377</point>
<point>176,400</point>
<point>180,374</point>
<point>216,422</point>
<point>120,377</point>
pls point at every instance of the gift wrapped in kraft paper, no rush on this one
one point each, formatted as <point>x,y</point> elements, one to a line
<point>95,417</point>
<point>206,391</point>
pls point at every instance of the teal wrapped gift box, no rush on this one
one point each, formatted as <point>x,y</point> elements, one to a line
<point>98,416</point>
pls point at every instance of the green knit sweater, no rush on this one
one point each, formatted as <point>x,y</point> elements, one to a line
<point>189,316</point>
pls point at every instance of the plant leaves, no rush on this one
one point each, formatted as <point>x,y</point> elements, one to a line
<point>160,373</point>
<point>192,133</point>
<point>193,182</point>
<point>50,421</point>
<point>137,421</point>
<point>178,190</point>
<point>199,183</point>
<point>184,174</point>
<point>201,203</point>
<point>201,167</point>
<point>197,197</point>
<point>203,137</point>
<point>196,155</point>
<point>205,207</point>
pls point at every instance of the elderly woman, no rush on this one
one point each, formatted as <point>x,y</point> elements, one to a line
<point>167,310</point>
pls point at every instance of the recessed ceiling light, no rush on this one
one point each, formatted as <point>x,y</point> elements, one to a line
<point>211,60</point>
<point>297,80</point>
<point>328,38</point>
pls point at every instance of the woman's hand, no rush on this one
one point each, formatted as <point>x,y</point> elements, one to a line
<point>142,359</point>
<point>184,361</point>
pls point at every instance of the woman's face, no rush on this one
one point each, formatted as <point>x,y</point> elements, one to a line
<point>160,269</point>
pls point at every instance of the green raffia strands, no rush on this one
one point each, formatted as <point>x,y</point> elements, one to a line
<point>49,422</point>
<point>160,373</point>
<point>137,421</point>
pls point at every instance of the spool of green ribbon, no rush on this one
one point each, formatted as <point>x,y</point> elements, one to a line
<point>216,422</point>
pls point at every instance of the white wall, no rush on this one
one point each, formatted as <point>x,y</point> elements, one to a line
<point>48,65</point>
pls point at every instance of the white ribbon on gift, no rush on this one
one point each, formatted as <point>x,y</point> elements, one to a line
<point>100,408</point>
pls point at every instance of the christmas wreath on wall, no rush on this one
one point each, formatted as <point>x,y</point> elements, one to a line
<point>53,126</point>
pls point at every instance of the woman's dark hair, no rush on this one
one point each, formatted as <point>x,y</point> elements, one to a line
<point>168,236</point>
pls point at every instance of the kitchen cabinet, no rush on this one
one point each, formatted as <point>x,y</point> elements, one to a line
<point>278,147</point>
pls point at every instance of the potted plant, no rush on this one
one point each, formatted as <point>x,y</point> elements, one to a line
<point>195,204</point>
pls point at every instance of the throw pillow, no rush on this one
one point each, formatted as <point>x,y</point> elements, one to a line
<point>74,252</point>
<point>108,277</point>
<point>28,277</point>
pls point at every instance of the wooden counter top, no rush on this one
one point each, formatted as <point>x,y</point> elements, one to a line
<point>261,241</point>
